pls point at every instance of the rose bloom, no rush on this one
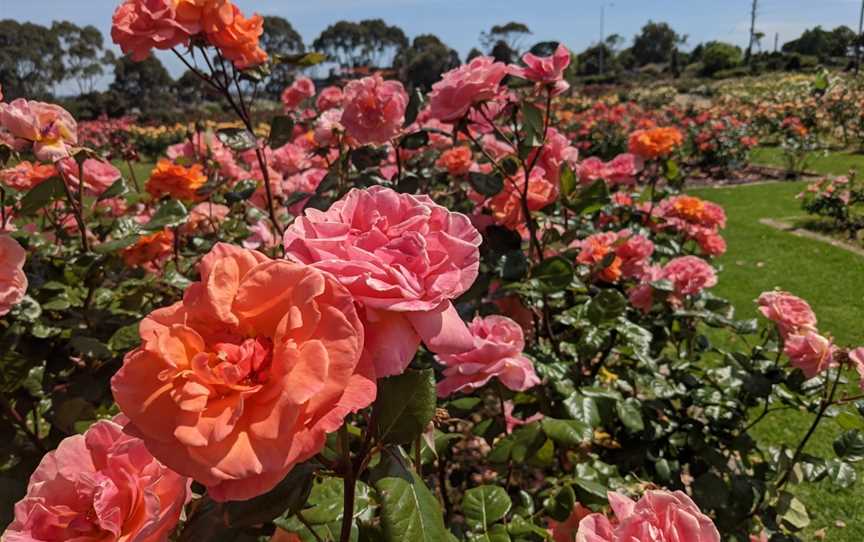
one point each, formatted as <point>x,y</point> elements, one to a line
<point>149,251</point>
<point>50,128</point>
<point>205,218</point>
<point>497,353</point>
<point>462,87</point>
<point>630,254</point>
<point>25,175</point>
<point>810,352</point>
<point>244,378</point>
<point>547,70</point>
<point>374,109</point>
<point>711,244</point>
<point>176,181</point>
<point>98,175</point>
<point>681,211</point>
<point>689,275</point>
<point>233,34</point>
<point>138,26</point>
<point>296,92</point>
<point>621,170</point>
<point>554,153</point>
<point>655,142</point>
<point>13,281</point>
<point>457,161</point>
<point>506,206</point>
<point>100,486</point>
<point>329,98</point>
<point>856,356</point>
<point>512,422</point>
<point>667,516</point>
<point>404,258</point>
<point>791,314</point>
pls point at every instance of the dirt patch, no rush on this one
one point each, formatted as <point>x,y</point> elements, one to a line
<point>800,232</point>
<point>752,174</point>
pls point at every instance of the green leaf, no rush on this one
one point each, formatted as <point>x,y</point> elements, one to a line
<point>630,413</point>
<point>302,60</point>
<point>289,494</point>
<point>567,433</point>
<point>583,409</point>
<point>606,306</point>
<point>115,245</point>
<point>637,338</point>
<point>405,405</point>
<point>842,474</point>
<point>498,533</point>
<point>414,141</point>
<point>710,491</point>
<point>281,131</point>
<point>90,347</point>
<point>41,195</point>
<point>170,214</point>
<point>850,445</point>
<point>590,198</point>
<point>242,191</point>
<point>487,184</point>
<point>519,445</point>
<point>409,511</point>
<point>125,338</point>
<point>560,505</point>
<point>237,139</point>
<point>485,505</point>
<point>553,274</point>
<point>532,117</point>
<point>792,512</point>
<point>118,188</point>
<point>415,103</point>
<point>569,182</point>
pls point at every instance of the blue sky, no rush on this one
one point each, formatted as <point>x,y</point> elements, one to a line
<point>459,22</point>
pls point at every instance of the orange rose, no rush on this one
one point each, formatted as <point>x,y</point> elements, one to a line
<point>655,142</point>
<point>26,175</point>
<point>150,251</point>
<point>170,179</point>
<point>457,161</point>
<point>244,378</point>
<point>506,206</point>
<point>235,35</point>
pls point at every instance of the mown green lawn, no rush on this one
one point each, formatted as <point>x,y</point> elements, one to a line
<point>760,258</point>
<point>834,163</point>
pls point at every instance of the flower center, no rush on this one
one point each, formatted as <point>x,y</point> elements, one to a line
<point>246,363</point>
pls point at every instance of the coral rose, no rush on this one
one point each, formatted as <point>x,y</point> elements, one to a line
<point>627,254</point>
<point>667,516</point>
<point>404,258</point>
<point>546,70</point>
<point>506,206</point>
<point>236,36</point>
<point>296,92</point>
<point>810,352</point>
<point>374,109</point>
<point>565,531</point>
<point>689,275</point>
<point>329,98</point>
<point>205,217</point>
<point>243,378</point>
<point>457,161</point>
<point>25,175</point>
<point>655,142</point>
<point>791,313</point>
<point>497,353</point>
<point>170,179</point>
<point>138,26</point>
<point>13,281</point>
<point>462,87</point>
<point>100,486</point>
<point>149,251</point>
<point>50,128</point>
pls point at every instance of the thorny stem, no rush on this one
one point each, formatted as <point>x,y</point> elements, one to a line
<point>350,486</point>
<point>76,211</point>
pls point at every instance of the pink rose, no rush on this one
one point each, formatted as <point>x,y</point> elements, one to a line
<point>102,485</point>
<point>296,92</point>
<point>810,352</point>
<point>328,127</point>
<point>50,128</point>
<point>141,25</point>
<point>711,244</point>
<point>462,87</point>
<point>497,353</point>
<point>657,516</point>
<point>547,70</point>
<point>791,314</point>
<point>404,258</point>
<point>330,98</point>
<point>689,275</point>
<point>98,175</point>
<point>13,281</point>
<point>621,170</point>
<point>205,217</point>
<point>374,109</point>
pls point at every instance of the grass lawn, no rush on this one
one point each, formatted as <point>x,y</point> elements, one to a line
<point>760,258</point>
<point>834,163</point>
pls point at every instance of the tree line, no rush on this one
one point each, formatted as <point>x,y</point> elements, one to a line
<point>36,61</point>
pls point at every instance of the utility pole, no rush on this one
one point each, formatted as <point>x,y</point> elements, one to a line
<point>752,32</point>
<point>776,40</point>
<point>858,41</point>
<point>603,32</point>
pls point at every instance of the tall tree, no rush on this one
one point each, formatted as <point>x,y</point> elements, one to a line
<point>655,43</point>
<point>280,39</point>
<point>31,60</point>
<point>512,34</point>
<point>824,43</point>
<point>422,64</point>
<point>144,85</point>
<point>83,55</point>
<point>371,42</point>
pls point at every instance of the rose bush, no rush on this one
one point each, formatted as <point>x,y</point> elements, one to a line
<point>474,316</point>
